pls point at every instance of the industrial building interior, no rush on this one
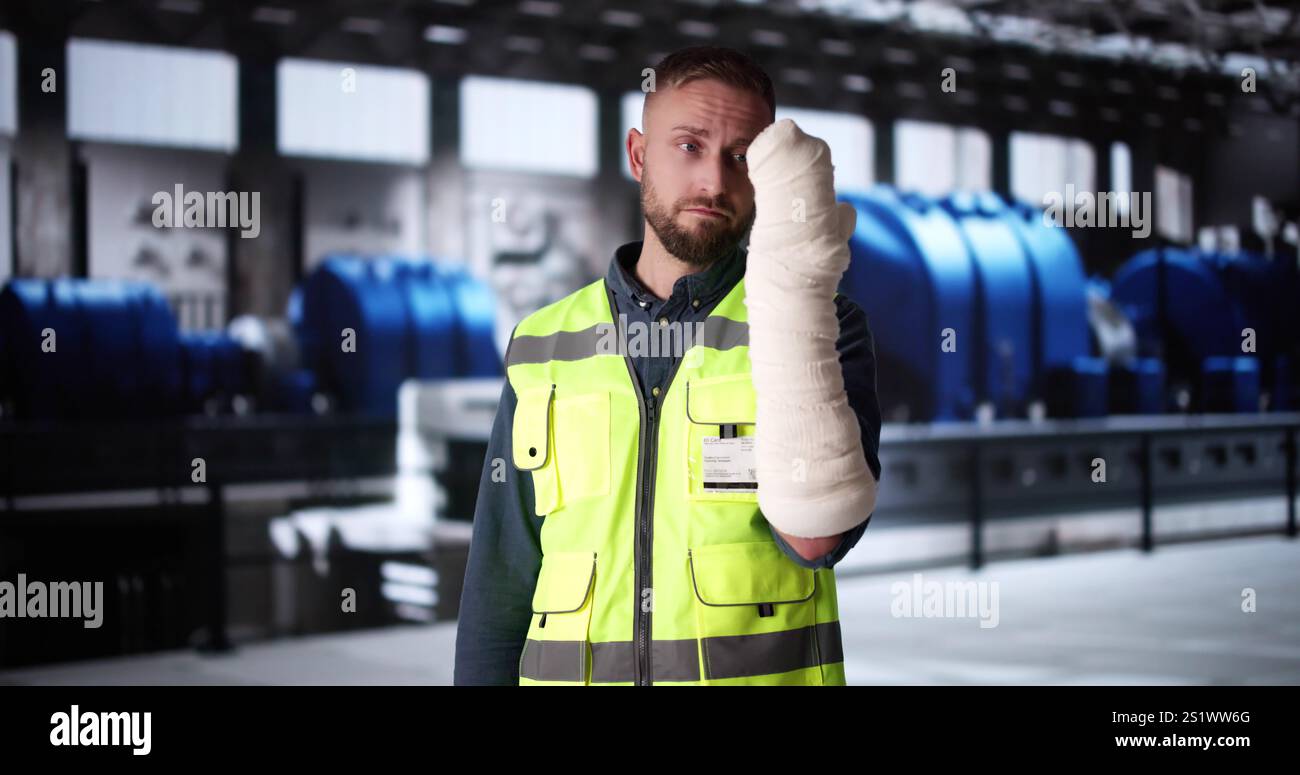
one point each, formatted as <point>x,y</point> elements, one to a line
<point>1111,451</point>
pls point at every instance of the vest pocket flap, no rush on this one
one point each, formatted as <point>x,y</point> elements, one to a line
<point>726,400</point>
<point>748,573</point>
<point>564,582</point>
<point>532,429</point>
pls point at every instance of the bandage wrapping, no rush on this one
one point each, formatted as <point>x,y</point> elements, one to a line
<point>813,477</point>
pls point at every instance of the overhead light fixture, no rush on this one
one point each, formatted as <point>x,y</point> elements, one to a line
<point>268,14</point>
<point>1017,72</point>
<point>1015,103</point>
<point>545,8</point>
<point>898,56</point>
<point>1069,78</point>
<point>597,53</point>
<point>797,75</point>
<point>960,64</point>
<point>620,18</point>
<point>697,29</point>
<point>362,25</point>
<point>856,83</point>
<point>441,33</point>
<point>524,44</point>
<point>911,90</point>
<point>1061,108</point>
<point>768,38</point>
<point>837,48</point>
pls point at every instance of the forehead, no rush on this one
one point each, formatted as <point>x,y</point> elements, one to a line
<point>724,112</point>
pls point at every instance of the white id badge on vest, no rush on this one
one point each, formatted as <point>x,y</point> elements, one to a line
<point>729,464</point>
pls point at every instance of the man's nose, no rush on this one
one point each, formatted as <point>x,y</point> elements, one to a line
<point>711,177</point>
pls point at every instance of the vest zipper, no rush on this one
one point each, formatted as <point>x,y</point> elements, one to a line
<point>646,463</point>
<point>645,555</point>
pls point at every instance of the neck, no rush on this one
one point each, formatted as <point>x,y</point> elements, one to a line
<point>657,269</point>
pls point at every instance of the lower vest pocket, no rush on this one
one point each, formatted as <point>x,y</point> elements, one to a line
<point>755,614</point>
<point>556,649</point>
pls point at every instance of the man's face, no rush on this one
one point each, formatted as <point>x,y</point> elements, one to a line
<point>695,190</point>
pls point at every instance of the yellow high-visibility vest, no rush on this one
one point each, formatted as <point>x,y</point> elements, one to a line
<point>650,574</point>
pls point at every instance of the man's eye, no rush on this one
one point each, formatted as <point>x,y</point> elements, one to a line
<point>679,145</point>
<point>740,157</point>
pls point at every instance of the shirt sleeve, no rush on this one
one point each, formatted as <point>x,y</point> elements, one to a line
<point>857,350</point>
<point>505,557</point>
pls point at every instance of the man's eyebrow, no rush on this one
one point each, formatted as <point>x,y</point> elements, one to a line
<point>692,129</point>
<point>695,130</point>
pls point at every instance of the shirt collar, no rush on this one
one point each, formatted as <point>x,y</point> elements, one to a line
<point>706,285</point>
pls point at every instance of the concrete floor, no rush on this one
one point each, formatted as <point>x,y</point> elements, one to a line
<point>1174,617</point>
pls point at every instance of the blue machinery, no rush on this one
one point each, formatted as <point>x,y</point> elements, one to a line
<point>98,349</point>
<point>976,301</point>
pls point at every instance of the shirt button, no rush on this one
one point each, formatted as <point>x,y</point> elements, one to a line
<point>663,321</point>
<point>655,390</point>
<point>696,303</point>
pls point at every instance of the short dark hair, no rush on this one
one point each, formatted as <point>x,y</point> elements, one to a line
<point>716,62</point>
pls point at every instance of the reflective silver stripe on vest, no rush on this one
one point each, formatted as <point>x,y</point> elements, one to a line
<point>674,660</point>
<point>559,346</point>
<point>830,643</point>
<point>719,333</point>
<point>554,660</point>
<point>724,333</point>
<point>731,656</point>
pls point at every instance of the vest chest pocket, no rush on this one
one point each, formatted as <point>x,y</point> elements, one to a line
<point>720,420</point>
<point>564,442</point>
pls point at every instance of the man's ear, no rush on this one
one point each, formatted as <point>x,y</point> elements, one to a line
<point>635,152</point>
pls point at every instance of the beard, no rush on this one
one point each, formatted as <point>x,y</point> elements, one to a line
<point>699,247</point>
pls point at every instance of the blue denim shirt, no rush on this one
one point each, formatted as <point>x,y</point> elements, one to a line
<point>505,553</point>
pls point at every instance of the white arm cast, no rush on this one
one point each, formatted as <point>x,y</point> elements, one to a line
<point>813,478</point>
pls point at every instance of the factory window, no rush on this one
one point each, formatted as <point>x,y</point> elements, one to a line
<point>851,139</point>
<point>1048,164</point>
<point>1174,205</point>
<point>1121,174</point>
<point>152,95</point>
<point>8,85</point>
<point>630,109</point>
<point>526,126</point>
<point>936,159</point>
<point>338,110</point>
